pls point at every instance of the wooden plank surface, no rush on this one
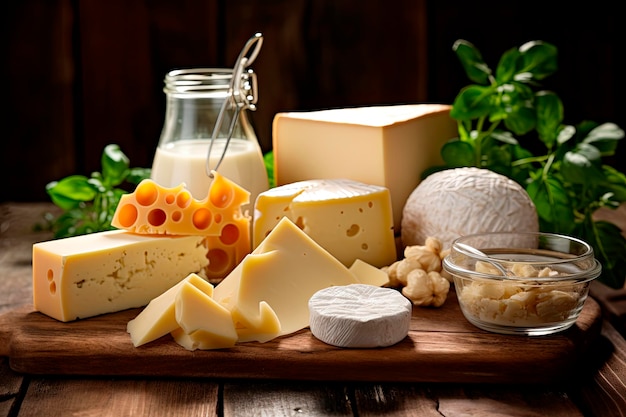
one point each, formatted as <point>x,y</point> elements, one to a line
<point>441,347</point>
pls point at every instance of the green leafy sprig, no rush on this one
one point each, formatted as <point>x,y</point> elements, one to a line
<point>508,124</point>
<point>88,203</point>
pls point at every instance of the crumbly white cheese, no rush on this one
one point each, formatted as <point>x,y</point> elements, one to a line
<point>359,316</point>
<point>464,201</point>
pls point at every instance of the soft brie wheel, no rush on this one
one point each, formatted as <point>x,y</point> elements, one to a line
<point>359,316</point>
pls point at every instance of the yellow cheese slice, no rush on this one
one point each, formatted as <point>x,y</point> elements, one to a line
<point>369,274</point>
<point>159,318</point>
<point>388,146</point>
<point>266,328</point>
<point>284,271</point>
<point>205,323</point>
<point>349,219</point>
<point>154,209</point>
<point>105,272</point>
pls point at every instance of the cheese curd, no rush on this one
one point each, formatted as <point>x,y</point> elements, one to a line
<point>520,303</point>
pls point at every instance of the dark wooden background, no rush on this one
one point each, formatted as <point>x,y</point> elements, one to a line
<point>77,75</point>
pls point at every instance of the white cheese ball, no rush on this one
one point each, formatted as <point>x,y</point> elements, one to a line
<point>463,201</point>
<point>359,316</point>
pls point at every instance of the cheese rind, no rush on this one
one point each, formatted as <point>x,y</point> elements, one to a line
<point>105,272</point>
<point>389,146</point>
<point>284,271</point>
<point>359,316</point>
<point>349,219</point>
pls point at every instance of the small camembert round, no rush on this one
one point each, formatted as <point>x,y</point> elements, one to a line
<point>359,316</point>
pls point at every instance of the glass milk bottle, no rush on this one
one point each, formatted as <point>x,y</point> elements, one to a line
<point>194,100</point>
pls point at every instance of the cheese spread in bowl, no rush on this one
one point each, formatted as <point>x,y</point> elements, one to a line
<point>521,283</point>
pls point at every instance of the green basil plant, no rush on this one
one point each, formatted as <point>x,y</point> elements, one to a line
<point>508,124</point>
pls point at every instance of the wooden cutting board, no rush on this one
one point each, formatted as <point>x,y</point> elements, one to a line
<point>441,347</point>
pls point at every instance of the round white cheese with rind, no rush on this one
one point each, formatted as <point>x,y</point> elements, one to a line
<point>359,316</point>
<point>464,201</point>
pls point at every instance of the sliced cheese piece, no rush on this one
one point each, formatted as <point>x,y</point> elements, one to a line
<point>105,272</point>
<point>390,146</point>
<point>350,219</point>
<point>369,274</point>
<point>208,324</point>
<point>265,329</point>
<point>359,316</point>
<point>159,318</point>
<point>154,209</point>
<point>284,271</point>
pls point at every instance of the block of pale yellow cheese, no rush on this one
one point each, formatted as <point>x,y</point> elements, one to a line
<point>388,146</point>
<point>104,272</point>
<point>350,219</point>
<point>284,271</point>
<point>154,209</point>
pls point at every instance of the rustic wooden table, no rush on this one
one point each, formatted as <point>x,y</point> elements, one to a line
<point>599,391</point>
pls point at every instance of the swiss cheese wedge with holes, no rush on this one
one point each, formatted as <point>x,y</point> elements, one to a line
<point>154,209</point>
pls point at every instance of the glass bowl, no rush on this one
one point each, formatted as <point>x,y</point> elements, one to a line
<point>521,283</point>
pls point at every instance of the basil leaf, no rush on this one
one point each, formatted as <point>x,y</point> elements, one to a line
<point>605,137</point>
<point>549,109</point>
<point>507,67</point>
<point>582,165</point>
<point>521,121</point>
<point>552,202</point>
<point>70,191</point>
<point>472,61</point>
<point>456,154</point>
<point>609,246</point>
<point>114,165</point>
<point>615,181</point>
<point>539,59</point>
<point>471,103</point>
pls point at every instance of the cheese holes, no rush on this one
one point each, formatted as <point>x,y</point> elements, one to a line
<point>219,262</point>
<point>201,218</point>
<point>127,215</point>
<point>157,217</point>
<point>146,193</point>
<point>52,286</point>
<point>353,230</point>
<point>230,234</point>
<point>221,195</point>
<point>183,199</point>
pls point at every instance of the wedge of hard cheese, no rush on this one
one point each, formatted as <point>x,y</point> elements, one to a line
<point>84,276</point>
<point>388,146</point>
<point>348,218</point>
<point>284,271</point>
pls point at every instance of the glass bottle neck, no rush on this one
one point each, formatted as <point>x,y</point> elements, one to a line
<point>194,98</point>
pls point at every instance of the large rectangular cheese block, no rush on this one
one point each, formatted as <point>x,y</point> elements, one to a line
<point>84,276</point>
<point>390,146</point>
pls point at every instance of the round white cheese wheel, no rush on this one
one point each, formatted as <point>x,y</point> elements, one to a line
<point>463,201</point>
<point>359,316</point>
